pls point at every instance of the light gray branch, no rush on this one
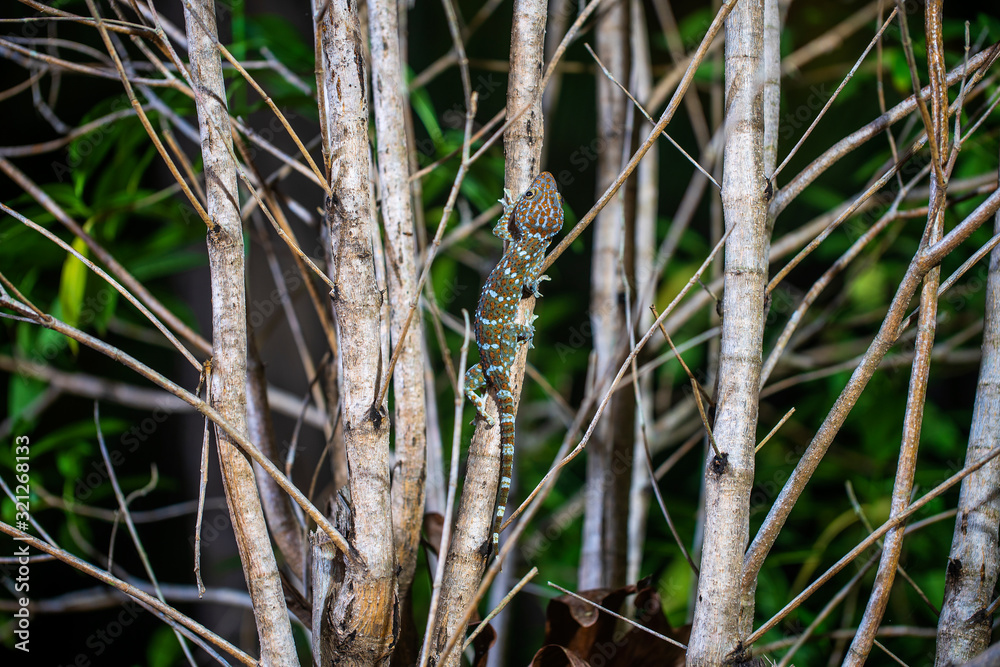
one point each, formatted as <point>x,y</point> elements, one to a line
<point>715,632</point>
<point>229,337</point>
<point>359,613</point>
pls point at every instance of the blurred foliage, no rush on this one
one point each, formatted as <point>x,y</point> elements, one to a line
<point>112,181</point>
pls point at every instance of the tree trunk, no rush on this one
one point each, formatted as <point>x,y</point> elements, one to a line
<point>647,199</point>
<point>609,455</point>
<point>771,110</point>
<point>729,474</point>
<point>522,143</point>
<point>362,609</point>
<point>964,628</point>
<point>229,336</point>
<point>408,376</point>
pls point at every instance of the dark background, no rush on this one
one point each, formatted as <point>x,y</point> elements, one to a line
<point>167,244</point>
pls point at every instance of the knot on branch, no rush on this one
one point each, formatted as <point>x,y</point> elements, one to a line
<point>332,204</point>
<point>215,233</point>
<point>954,568</point>
<point>376,413</point>
<point>742,657</point>
<point>719,463</point>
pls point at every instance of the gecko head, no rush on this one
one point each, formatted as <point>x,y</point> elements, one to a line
<point>539,210</point>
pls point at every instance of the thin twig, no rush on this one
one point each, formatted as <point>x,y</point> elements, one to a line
<point>134,286</point>
<point>647,116</point>
<point>845,214</point>
<point>532,573</point>
<point>111,281</point>
<point>435,244</point>
<point>783,197</point>
<point>889,653</point>
<point>860,512</point>
<point>898,520</point>
<point>640,411</point>
<point>774,430</point>
<point>545,484</point>
<point>565,459</point>
<point>822,112</point>
<point>202,486</point>
<point>664,120</point>
<point>696,387</point>
<point>202,213</point>
<point>141,596</point>
<point>607,611</point>
<point>124,512</point>
<point>450,503</point>
<point>239,438</point>
<point>925,116</point>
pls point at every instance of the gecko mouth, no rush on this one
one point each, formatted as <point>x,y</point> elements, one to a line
<point>515,233</point>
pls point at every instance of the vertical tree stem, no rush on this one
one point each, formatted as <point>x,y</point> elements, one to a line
<point>360,618</point>
<point>229,336</point>
<point>729,476</point>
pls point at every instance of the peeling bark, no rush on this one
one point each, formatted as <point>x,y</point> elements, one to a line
<point>362,611</point>
<point>229,336</point>
<point>397,218</point>
<point>964,628</point>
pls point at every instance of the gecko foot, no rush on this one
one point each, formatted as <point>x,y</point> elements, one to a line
<point>531,288</point>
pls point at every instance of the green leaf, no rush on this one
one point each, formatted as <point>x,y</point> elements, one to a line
<point>166,263</point>
<point>674,587</point>
<point>72,433</point>
<point>21,392</point>
<point>68,199</point>
<point>820,197</point>
<point>868,290</point>
<point>163,650</point>
<point>73,285</point>
<point>482,195</point>
<point>69,460</point>
<point>900,71</point>
<point>283,39</point>
<point>940,434</point>
<point>86,153</point>
<point>424,109</point>
<point>693,27</point>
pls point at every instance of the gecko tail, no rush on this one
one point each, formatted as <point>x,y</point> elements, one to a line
<point>506,463</point>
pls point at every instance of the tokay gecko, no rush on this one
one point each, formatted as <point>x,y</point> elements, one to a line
<point>529,226</point>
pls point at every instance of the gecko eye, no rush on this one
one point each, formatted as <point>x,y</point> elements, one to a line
<point>530,194</point>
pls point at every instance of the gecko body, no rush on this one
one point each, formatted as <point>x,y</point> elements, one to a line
<point>528,226</point>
